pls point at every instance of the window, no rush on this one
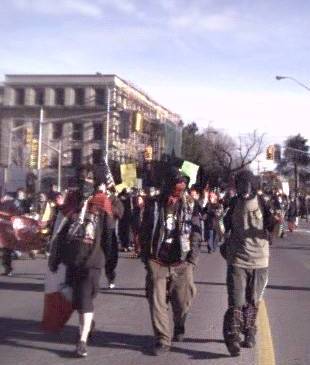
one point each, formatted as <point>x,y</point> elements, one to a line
<point>59,96</point>
<point>77,131</point>
<point>57,130</point>
<point>76,157</point>
<point>20,96</point>
<point>20,132</point>
<point>79,96</point>
<point>97,156</point>
<point>125,124</point>
<point>98,130</point>
<point>100,96</point>
<point>39,96</point>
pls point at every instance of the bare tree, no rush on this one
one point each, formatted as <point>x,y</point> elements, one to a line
<point>219,155</point>
<point>234,156</point>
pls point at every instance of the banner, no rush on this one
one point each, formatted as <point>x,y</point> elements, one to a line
<point>129,174</point>
<point>120,187</point>
<point>190,169</point>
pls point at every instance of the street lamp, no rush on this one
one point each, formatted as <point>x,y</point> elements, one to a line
<point>293,79</point>
<point>308,89</point>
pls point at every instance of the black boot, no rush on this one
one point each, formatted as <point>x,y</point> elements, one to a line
<point>178,334</point>
<point>231,330</point>
<point>249,330</point>
<point>249,339</point>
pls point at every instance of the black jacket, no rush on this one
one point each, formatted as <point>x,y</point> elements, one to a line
<point>153,228</point>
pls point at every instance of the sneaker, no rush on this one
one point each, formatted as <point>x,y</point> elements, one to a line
<point>249,340</point>
<point>234,348</point>
<point>111,285</point>
<point>160,349</point>
<point>8,273</point>
<point>81,349</point>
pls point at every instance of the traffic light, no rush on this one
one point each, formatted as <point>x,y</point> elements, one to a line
<point>34,148</point>
<point>148,153</point>
<point>137,122</point>
<point>44,161</point>
<point>270,152</point>
<point>29,136</point>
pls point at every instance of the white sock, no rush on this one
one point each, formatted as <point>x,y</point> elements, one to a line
<point>85,325</point>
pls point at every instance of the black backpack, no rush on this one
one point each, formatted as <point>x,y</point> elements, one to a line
<point>80,238</point>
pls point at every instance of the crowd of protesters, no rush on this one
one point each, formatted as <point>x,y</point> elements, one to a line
<point>165,228</point>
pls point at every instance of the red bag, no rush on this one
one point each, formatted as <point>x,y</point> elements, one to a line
<point>56,313</point>
<point>291,226</point>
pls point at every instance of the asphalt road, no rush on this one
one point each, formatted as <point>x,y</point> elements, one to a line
<point>124,333</point>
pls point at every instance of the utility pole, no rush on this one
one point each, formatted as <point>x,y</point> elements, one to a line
<point>106,130</point>
<point>59,165</point>
<point>40,149</point>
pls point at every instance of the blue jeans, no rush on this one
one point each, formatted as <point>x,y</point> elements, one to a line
<point>212,242</point>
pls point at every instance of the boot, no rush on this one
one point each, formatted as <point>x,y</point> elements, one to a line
<point>231,330</point>
<point>178,334</point>
<point>249,330</point>
<point>249,339</point>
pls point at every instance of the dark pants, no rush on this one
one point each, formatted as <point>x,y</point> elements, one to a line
<point>245,290</point>
<point>85,286</point>
<point>124,233</point>
<point>7,259</point>
<point>164,284</point>
<point>111,255</point>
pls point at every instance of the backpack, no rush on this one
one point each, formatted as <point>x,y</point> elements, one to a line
<point>80,239</point>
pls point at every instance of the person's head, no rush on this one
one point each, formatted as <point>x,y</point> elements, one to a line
<point>102,187</point>
<point>194,192</point>
<point>85,181</point>
<point>20,194</point>
<point>53,187</point>
<point>246,184</point>
<point>206,187</point>
<point>42,197</point>
<point>213,199</point>
<point>177,183</point>
<point>59,199</point>
<point>140,201</point>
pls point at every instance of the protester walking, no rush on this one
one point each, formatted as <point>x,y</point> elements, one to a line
<point>79,245</point>
<point>246,250</point>
<point>170,242</point>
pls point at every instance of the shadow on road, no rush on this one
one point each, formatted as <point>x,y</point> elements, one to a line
<point>287,287</point>
<point>17,332</point>
<point>8,285</point>
<point>306,248</point>
<point>123,293</point>
<point>278,287</point>
<point>209,283</point>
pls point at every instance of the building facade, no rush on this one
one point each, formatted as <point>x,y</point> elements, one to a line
<point>89,114</point>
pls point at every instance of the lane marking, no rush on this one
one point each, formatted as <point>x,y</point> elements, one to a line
<point>266,354</point>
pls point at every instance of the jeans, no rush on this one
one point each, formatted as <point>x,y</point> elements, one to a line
<point>212,239</point>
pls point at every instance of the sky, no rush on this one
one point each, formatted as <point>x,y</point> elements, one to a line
<point>212,61</point>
